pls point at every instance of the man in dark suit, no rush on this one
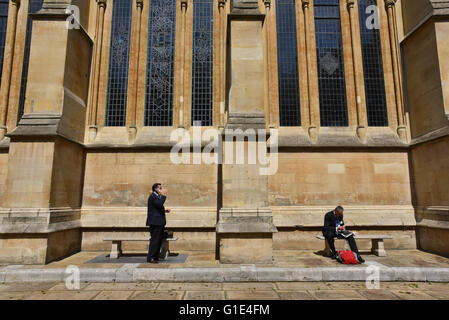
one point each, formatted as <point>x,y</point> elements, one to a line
<point>333,223</point>
<point>156,221</point>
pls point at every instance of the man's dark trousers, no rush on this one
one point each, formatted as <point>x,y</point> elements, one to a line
<point>351,240</point>
<point>157,234</point>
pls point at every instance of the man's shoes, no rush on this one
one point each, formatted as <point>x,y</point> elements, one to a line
<point>153,260</point>
<point>361,260</point>
<point>333,256</point>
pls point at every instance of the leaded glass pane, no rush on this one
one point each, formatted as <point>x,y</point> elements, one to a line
<point>202,68</point>
<point>331,72</point>
<point>119,63</point>
<point>3,24</point>
<point>289,104</point>
<point>161,52</point>
<point>376,103</point>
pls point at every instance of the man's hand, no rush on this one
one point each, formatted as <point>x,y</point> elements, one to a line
<point>167,210</point>
<point>162,192</point>
<point>341,228</point>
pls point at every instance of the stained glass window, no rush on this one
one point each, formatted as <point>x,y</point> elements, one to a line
<point>289,104</point>
<point>376,103</point>
<point>161,52</point>
<point>331,73</point>
<point>34,6</point>
<point>119,63</point>
<point>3,24</point>
<point>202,68</point>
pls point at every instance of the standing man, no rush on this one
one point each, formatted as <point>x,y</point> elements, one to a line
<point>156,221</point>
<point>333,224</point>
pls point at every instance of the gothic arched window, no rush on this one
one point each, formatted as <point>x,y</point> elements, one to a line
<point>331,71</point>
<point>160,67</point>
<point>376,102</point>
<point>4,4</point>
<point>202,66</point>
<point>289,104</point>
<point>34,6</point>
<point>119,63</point>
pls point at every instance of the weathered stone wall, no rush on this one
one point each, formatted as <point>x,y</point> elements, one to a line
<point>3,171</point>
<point>124,179</point>
<point>346,178</point>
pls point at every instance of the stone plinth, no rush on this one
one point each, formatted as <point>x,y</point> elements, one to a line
<point>246,235</point>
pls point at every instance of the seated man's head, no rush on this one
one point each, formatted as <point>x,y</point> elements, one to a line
<point>339,212</point>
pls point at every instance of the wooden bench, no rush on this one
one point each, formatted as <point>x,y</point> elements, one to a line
<point>377,243</point>
<point>116,250</point>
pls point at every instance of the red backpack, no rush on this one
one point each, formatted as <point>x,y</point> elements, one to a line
<point>347,257</point>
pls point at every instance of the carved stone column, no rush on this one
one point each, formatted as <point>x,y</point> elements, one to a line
<point>182,123</point>
<point>96,67</point>
<point>362,122</point>
<point>7,65</point>
<point>391,14</point>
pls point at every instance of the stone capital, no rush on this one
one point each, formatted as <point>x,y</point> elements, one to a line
<point>221,3</point>
<point>139,4</point>
<point>390,3</point>
<point>183,4</point>
<point>101,3</point>
<point>350,4</point>
<point>16,2</point>
<point>267,3</point>
<point>305,4</point>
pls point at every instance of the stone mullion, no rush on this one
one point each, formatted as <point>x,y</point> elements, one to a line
<point>134,66</point>
<point>312,108</point>
<point>220,84</point>
<point>267,26</point>
<point>362,120</point>
<point>348,62</point>
<point>390,8</point>
<point>273,68</point>
<point>141,78</point>
<point>7,65</point>
<point>183,116</point>
<point>104,66</point>
<point>96,67</point>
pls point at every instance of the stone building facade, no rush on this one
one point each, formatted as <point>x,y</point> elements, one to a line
<point>356,91</point>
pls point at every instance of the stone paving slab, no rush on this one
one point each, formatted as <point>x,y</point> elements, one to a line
<point>157,295</point>
<point>208,291</point>
<point>190,287</point>
<point>204,295</point>
<point>413,295</point>
<point>114,295</point>
<point>66,295</point>
<point>249,295</point>
<point>337,295</point>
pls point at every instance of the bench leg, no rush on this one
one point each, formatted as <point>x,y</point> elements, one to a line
<point>116,250</point>
<point>164,250</point>
<point>378,248</point>
<point>327,249</point>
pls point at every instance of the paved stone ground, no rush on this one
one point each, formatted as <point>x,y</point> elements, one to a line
<point>282,258</point>
<point>229,291</point>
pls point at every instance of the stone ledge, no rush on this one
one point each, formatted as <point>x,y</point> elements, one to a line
<point>23,228</point>
<point>239,273</point>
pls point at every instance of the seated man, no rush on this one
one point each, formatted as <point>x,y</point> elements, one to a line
<point>333,225</point>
